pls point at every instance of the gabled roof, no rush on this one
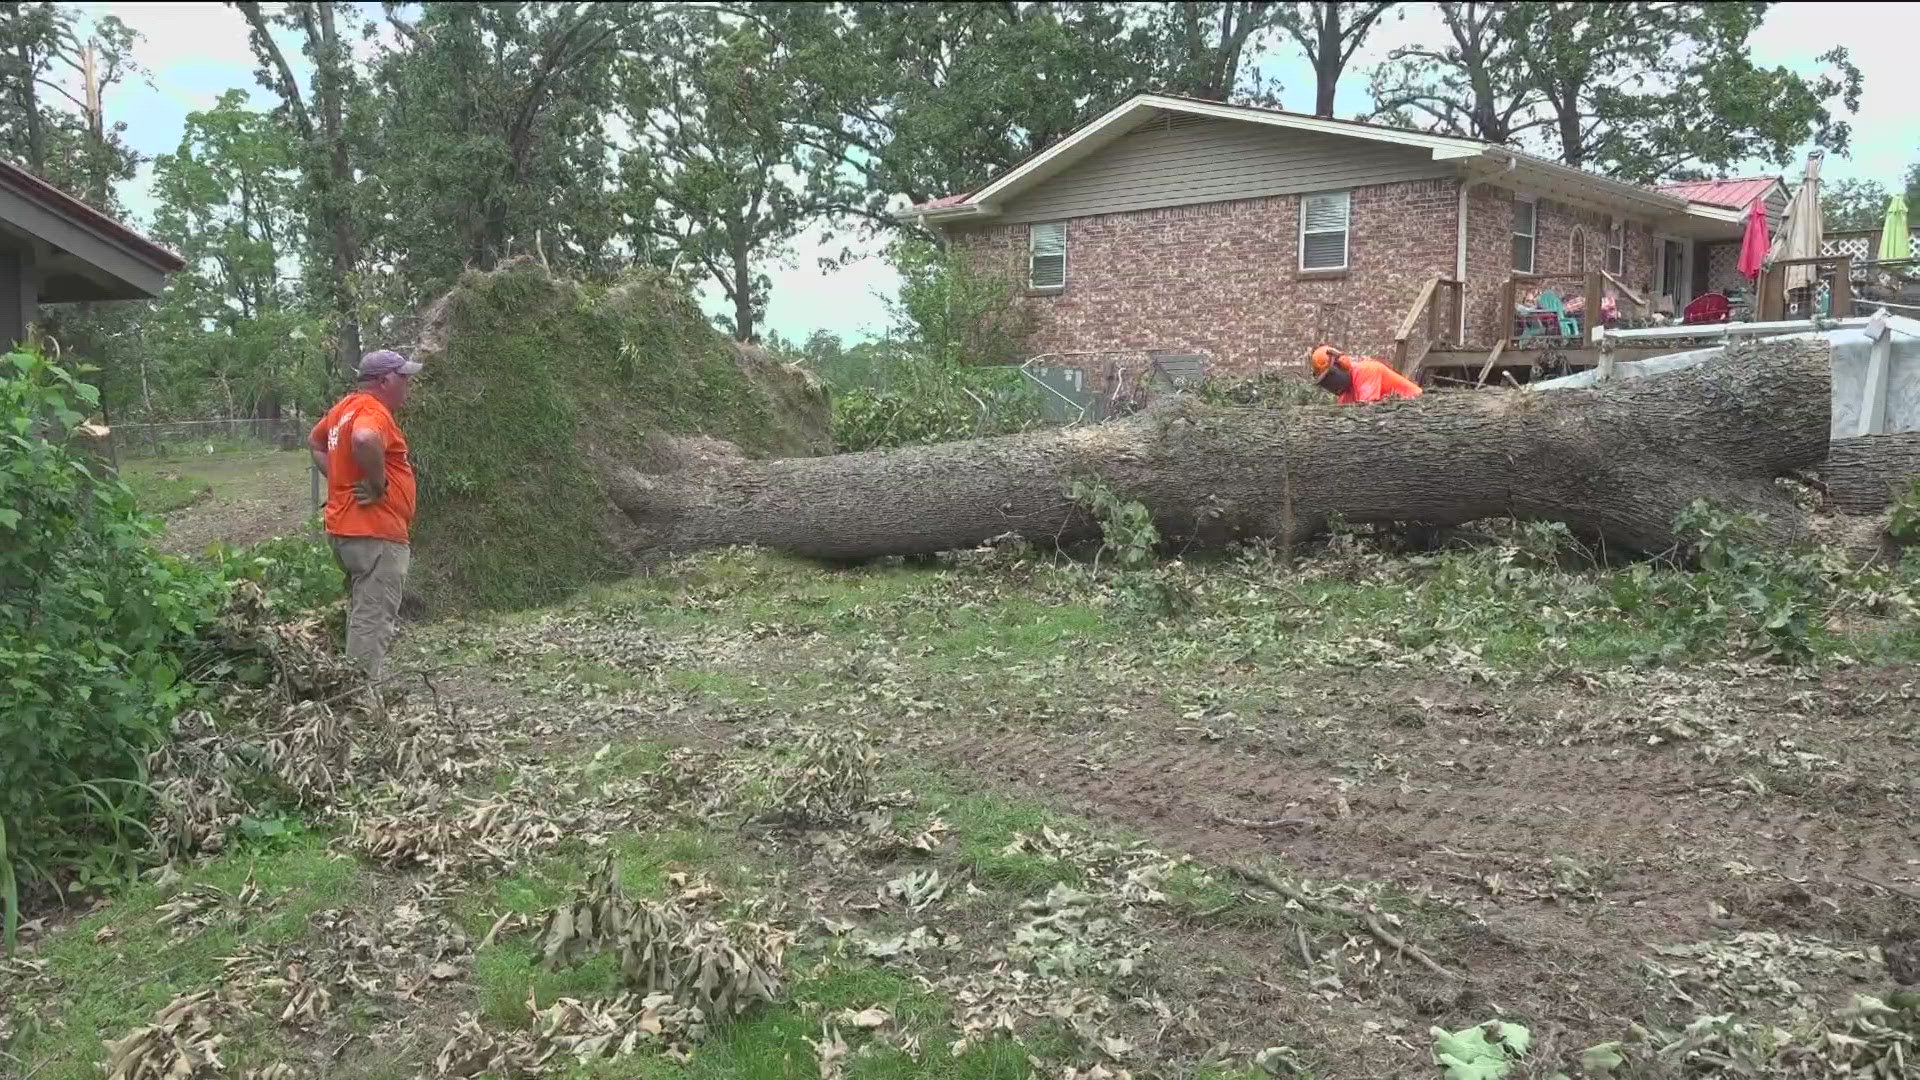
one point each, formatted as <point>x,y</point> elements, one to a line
<point>1471,154</point>
<point>92,255</point>
<point>1737,193</point>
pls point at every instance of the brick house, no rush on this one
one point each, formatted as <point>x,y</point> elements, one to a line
<point>1246,235</point>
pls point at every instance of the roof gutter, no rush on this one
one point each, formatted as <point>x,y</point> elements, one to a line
<point>945,213</point>
<point>1716,213</point>
<point>1617,189</point>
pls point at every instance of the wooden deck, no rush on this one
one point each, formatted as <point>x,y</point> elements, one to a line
<point>1471,364</point>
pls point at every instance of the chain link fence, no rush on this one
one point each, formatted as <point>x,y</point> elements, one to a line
<point>195,436</point>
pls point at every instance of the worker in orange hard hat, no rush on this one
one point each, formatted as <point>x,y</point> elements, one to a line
<point>1354,379</point>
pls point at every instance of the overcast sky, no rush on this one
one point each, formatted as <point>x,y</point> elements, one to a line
<point>197,51</point>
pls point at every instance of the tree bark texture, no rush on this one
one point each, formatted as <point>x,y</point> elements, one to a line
<point>1616,462</point>
<point>1866,475</point>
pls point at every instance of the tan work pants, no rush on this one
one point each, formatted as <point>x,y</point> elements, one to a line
<point>376,574</point>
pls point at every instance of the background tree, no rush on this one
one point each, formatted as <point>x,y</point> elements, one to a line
<point>1847,205</point>
<point>1212,50</point>
<point>1329,34</point>
<point>1628,87</point>
<point>231,334</point>
<point>1622,89</point>
<point>51,122</point>
<point>491,138</point>
<point>321,116</point>
<point>923,100</point>
<point>1471,84</point>
<point>725,187</point>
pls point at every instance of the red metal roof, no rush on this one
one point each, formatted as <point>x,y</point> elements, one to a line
<point>32,187</point>
<point>1736,193</point>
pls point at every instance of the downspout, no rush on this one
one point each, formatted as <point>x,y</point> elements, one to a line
<point>1460,262</point>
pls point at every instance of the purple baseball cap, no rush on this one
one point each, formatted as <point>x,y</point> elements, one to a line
<point>386,362</point>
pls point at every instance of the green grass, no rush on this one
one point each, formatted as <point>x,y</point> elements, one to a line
<point>770,1042</point>
<point>164,485</point>
<point>713,683</point>
<point>508,969</point>
<point>116,967</point>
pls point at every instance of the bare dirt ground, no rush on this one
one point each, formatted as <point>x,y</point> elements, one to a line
<point>1573,859</point>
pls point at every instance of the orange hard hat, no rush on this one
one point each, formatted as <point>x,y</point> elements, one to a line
<point>1322,358</point>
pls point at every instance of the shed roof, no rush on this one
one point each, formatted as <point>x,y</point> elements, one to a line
<point>85,253</point>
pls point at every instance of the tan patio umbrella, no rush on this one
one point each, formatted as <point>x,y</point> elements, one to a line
<point>1799,235</point>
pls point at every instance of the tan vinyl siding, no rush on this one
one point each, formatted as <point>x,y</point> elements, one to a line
<point>1216,161</point>
<point>1776,204</point>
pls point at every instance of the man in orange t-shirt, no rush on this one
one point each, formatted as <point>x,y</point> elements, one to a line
<point>358,447</point>
<point>1356,379</point>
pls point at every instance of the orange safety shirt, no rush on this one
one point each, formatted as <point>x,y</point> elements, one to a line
<point>1373,380</point>
<point>389,517</point>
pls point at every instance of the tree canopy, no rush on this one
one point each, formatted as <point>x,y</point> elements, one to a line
<point>1645,92</point>
<point>385,151</point>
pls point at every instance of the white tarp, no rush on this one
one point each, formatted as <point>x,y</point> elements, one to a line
<point>1858,386</point>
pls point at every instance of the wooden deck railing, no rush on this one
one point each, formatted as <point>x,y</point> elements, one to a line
<point>1773,286</point>
<point>1424,305</point>
<point>1639,302</point>
<point>1592,288</point>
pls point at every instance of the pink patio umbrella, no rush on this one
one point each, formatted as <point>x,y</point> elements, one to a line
<point>1753,244</point>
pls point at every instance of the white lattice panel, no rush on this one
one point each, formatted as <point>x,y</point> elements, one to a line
<point>1723,268</point>
<point>1856,246</point>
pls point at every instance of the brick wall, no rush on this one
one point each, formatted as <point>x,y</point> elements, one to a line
<point>1567,240</point>
<point>1223,279</point>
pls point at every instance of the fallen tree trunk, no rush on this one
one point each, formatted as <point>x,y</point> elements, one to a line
<point>1865,475</point>
<point>1616,463</point>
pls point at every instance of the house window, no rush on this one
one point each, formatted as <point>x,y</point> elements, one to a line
<point>1525,220</point>
<point>1047,264</point>
<point>1617,248</point>
<point>1323,231</point>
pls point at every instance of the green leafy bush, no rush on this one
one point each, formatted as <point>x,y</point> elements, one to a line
<point>93,624</point>
<point>927,402</point>
<point>1904,524</point>
<point>1764,599</point>
<point>945,372</point>
<point>1129,538</point>
<point>299,573</point>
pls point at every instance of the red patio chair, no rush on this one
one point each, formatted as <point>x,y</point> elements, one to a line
<point>1709,307</point>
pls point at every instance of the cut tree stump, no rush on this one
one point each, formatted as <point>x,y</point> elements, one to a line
<point>1616,463</point>
<point>1865,475</point>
